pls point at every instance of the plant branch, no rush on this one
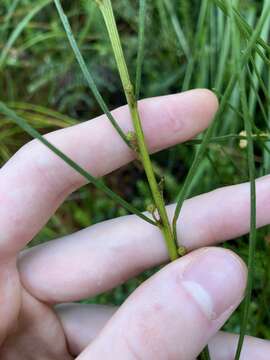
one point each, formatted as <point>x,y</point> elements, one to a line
<point>143,154</point>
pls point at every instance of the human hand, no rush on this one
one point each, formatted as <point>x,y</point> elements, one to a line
<point>174,314</point>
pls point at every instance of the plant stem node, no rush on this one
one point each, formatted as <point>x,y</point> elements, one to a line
<point>181,251</point>
<point>133,140</point>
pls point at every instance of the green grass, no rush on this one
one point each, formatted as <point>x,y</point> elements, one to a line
<point>42,82</point>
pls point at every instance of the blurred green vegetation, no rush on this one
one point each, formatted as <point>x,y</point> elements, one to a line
<point>188,45</point>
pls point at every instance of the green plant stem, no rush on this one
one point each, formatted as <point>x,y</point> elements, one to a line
<point>164,224</point>
<point>252,235</point>
<point>251,169</point>
<point>199,156</point>
<point>98,183</point>
<point>265,137</point>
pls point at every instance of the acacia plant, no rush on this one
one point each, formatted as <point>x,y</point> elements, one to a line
<point>250,53</point>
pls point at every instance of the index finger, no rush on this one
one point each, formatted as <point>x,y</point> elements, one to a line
<point>35,181</point>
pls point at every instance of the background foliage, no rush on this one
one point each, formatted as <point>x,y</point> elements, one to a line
<point>188,45</point>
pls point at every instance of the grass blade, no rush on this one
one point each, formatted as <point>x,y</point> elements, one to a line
<point>244,27</point>
<point>199,155</point>
<point>177,28</point>
<point>8,16</point>
<point>18,30</point>
<point>259,65</point>
<point>199,34</point>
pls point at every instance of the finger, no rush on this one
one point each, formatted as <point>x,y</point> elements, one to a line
<point>175,313</point>
<point>83,323</point>
<point>35,181</point>
<point>223,347</point>
<point>105,255</point>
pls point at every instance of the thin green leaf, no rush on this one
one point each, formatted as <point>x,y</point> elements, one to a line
<point>99,184</point>
<point>88,77</point>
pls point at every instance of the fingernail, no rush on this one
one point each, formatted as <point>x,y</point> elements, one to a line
<point>216,281</point>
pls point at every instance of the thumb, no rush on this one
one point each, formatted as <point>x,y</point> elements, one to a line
<point>174,314</point>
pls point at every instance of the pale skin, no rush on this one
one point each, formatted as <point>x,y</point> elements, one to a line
<point>171,316</point>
